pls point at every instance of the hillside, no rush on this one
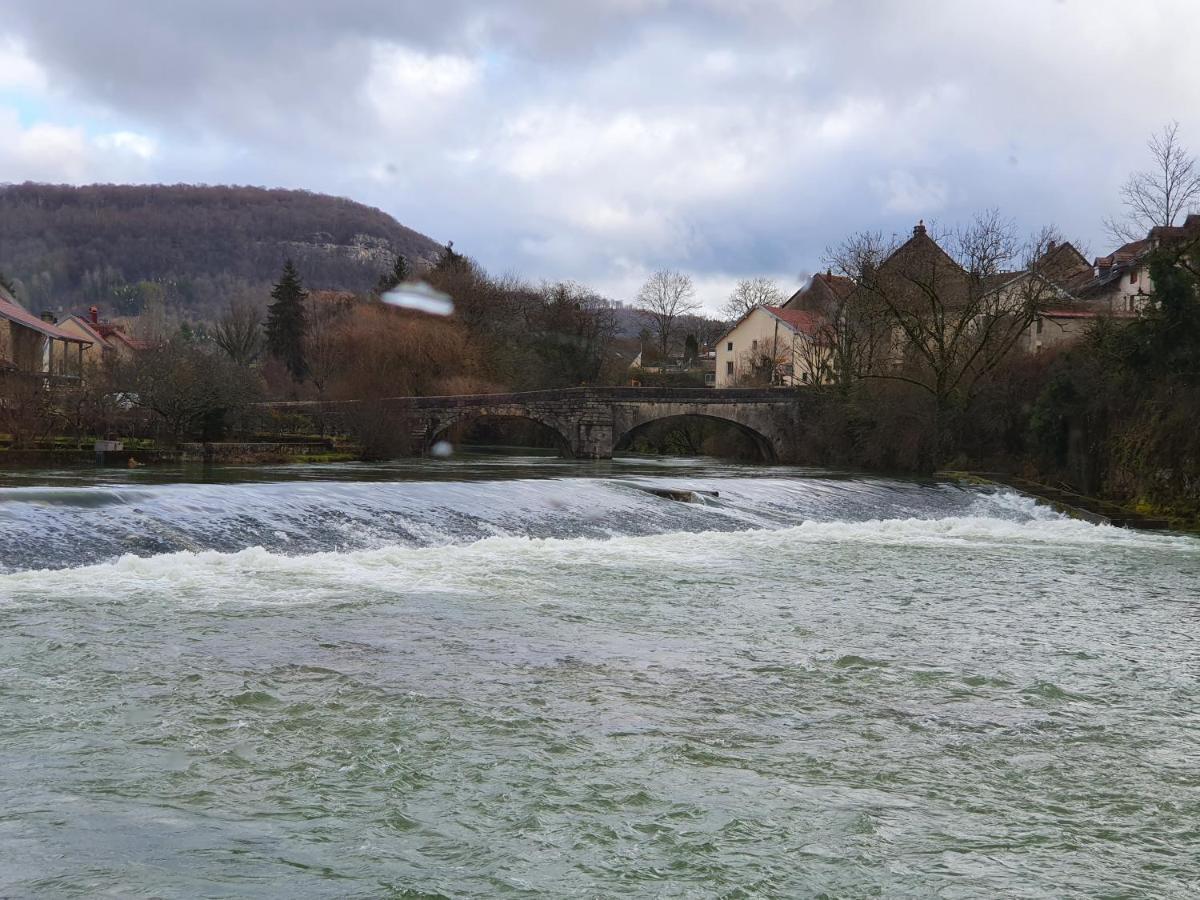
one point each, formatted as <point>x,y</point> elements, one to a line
<point>64,248</point>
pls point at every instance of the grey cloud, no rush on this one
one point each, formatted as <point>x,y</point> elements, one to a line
<point>590,139</point>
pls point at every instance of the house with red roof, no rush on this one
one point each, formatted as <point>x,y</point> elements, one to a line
<point>109,340</point>
<point>772,345</point>
<point>1117,286</point>
<point>34,346</point>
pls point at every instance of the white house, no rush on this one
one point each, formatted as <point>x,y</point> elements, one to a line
<point>770,345</point>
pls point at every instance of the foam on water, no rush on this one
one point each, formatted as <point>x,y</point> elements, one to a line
<point>805,686</point>
<point>256,574</point>
<point>48,527</point>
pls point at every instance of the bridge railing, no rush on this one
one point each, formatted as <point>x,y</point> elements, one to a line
<point>581,394</point>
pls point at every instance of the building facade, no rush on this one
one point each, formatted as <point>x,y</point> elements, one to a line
<point>770,345</point>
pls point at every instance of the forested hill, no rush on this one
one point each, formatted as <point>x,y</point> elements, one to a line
<point>64,248</point>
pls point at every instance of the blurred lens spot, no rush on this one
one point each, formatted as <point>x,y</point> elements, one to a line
<point>421,297</point>
<point>441,449</point>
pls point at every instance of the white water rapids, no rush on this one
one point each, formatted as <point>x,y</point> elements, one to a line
<point>530,678</point>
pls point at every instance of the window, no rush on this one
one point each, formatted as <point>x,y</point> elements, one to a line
<point>729,347</point>
<point>729,368</point>
<point>754,346</point>
<point>710,377</point>
<point>1133,276</point>
<point>1039,326</point>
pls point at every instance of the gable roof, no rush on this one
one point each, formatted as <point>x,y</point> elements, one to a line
<point>822,287</point>
<point>86,327</point>
<point>799,320</point>
<point>1124,254</point>
<point>1063,262</point>
<point>14,312</point>
<point>114,334</point>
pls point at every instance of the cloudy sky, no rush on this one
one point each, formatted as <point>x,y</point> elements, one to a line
<point>601,140</point>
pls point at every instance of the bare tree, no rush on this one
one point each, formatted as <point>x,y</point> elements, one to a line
<point>856,330</point>
<point>953,314</point>
<point>769,362</point>
<point>239,332</point>
<point>26,409</point>
<point>707,331</point>
<point>571,329</point>
<point>191,390</point>
<point>324,354</point>
<point>665,297</point>
<point>1160,194</point>
<point>749,295</point>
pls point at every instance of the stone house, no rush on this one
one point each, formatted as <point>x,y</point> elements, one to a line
<point>1116,286</point>
<point>822,293</point>
<point>35,346</point>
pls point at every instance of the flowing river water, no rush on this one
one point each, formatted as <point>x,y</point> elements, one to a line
<point>494,677</point>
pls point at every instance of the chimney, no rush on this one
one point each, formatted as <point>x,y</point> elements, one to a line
<point>920,228</point>
<point>48,316</point>
<point>1050,246</point>
<point>94,314</point>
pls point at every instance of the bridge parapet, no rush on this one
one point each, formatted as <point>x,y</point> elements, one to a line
<point>594,421</point>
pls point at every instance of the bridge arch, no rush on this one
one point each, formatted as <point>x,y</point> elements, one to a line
<point>626,428</point>
<point>437,429</point>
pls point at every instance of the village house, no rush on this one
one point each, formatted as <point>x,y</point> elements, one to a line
<point>915,276</point>
<point>770,345</point>
<point>701,367</point>
<point>109,340</point>
<point>33,346</point>
<point>1117,286</point>
<point>1068,293</point>
<point>823,293</point>
<point>1055,279</point>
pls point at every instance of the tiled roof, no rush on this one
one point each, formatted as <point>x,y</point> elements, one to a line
<point>839,284</point>
<point>86,327</point>
<point>797,319</point>
<point>112,332</point>
<point>14,312</point>
<point>812,293</point>
<point>1126,253</point>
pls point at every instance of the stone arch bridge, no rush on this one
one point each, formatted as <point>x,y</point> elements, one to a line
<point>591,422</point>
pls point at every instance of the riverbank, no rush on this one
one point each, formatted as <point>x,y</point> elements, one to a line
<point>219,453</point>
<point>1096,510</point>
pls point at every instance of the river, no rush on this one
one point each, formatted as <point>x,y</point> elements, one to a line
<point>494,677</point>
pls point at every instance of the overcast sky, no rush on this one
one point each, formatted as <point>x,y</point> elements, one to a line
<point>598,141</point>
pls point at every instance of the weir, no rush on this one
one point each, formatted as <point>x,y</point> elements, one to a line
<point>592,422</point>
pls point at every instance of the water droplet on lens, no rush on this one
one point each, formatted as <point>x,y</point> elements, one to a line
<point>417,295</point>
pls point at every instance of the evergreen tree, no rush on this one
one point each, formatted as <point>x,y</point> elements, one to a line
<point>389,280</point>
<point>285,321</point>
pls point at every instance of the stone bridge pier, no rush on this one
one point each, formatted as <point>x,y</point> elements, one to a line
<point>592,423</point>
